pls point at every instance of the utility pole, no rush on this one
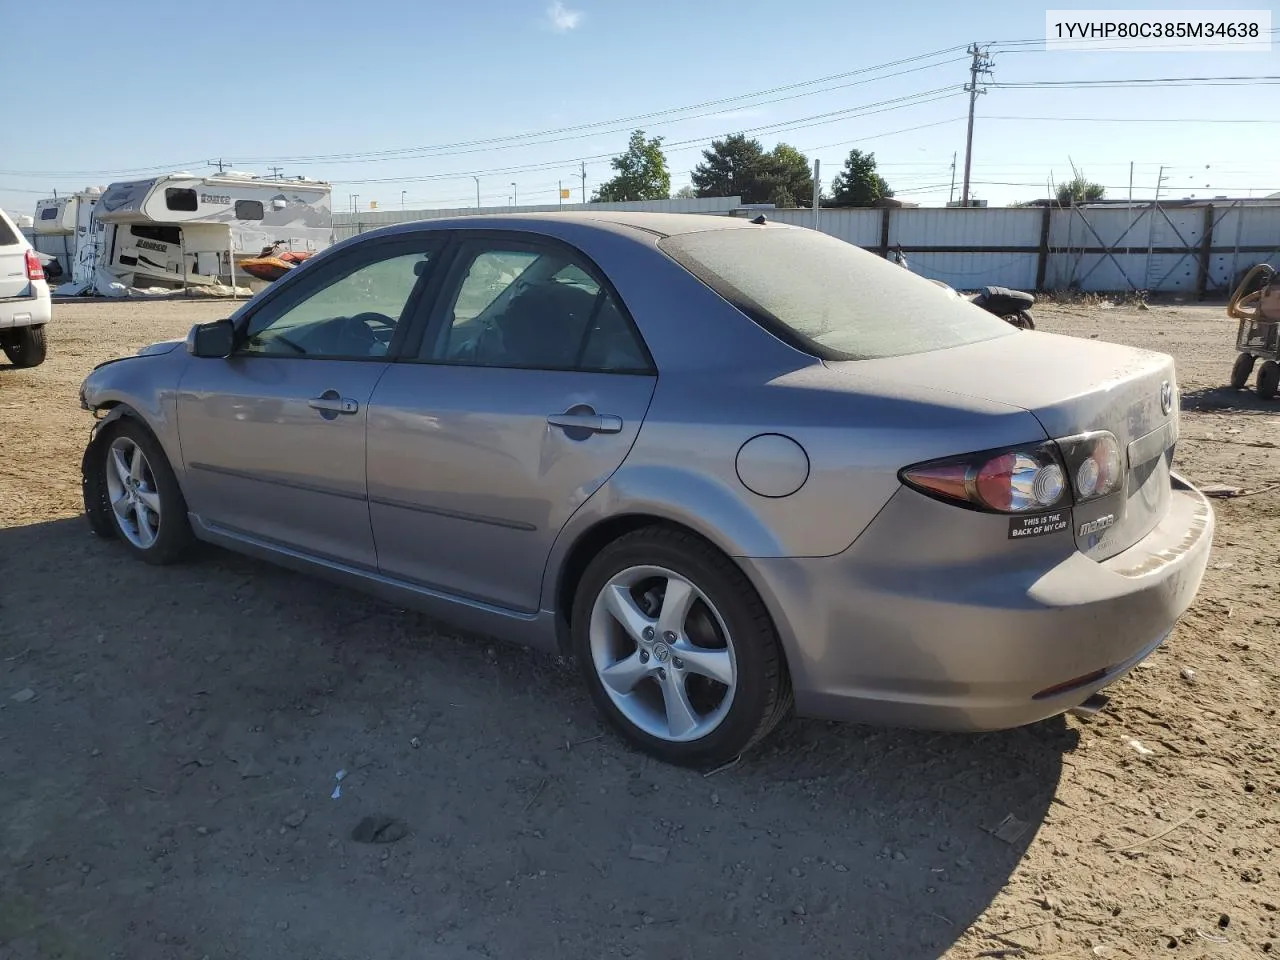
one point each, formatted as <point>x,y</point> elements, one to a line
<point>952,195</point>
<point>515,195</point>
<point>276,171</point>
<point>216,163</point>
<point>981,64</point>
<point>402,193</point>
<point>560,193</point>
<point>584,180</point>
<point>355,202</point>
<point>477,180</point>
<point>817,191</point>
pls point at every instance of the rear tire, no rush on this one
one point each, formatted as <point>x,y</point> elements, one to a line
<point>1241,369</point>
<point>694,683</point>
<point>1268,381</point>
<point>26,346</point>
<point>136,494</point>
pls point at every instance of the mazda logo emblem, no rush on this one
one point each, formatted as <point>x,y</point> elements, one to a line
<point>1166,397</point>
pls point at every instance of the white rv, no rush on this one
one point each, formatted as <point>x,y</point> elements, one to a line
<point>59,224</point>
<point>183,229</point>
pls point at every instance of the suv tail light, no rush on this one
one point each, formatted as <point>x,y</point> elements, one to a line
<point>35,269</point>
<point>1022,479</point>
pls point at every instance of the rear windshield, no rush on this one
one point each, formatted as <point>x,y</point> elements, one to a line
<point>828,297</point>
<point>7,237</point>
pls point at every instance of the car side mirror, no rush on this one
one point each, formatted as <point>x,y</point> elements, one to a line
<point>213,340</point>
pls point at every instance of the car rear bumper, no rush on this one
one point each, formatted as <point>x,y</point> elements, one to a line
<point>25,311</point>
<point>911,631</point>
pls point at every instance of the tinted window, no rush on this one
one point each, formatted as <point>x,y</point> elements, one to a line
<point>533,309</point>
<point>49,213</point>
<point>180,198</point>
<point>151,231</point>
<point>829,297</point>
<point>249,210</point>
<point>352,317</point>
<point>7,236</point>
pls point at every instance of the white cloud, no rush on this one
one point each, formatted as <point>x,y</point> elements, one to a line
<point>562,18</point>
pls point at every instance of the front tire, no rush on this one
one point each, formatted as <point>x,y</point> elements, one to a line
<point>137,494</point>
<point>677,648</point>
<point>1241,369</point>
<point>26,346</point>
<point>1268,380</point>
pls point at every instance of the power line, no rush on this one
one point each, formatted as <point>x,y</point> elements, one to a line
<point>724,101</point>
<point>1137,82</point>
<point>883,106</point>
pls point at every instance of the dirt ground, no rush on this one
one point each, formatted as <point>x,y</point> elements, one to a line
<point>167,791</point>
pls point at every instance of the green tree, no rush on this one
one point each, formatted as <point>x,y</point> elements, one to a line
<point>685,193</point>
<point>641,172</point>
<point>739,167</point>
<point>858,184</point>
<point>785,178</point>
<point>1079,190</point>
<point>729,168</point>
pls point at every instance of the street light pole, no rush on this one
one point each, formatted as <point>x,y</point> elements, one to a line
<point>515,195</point>
<point>402,193</point>
<point>477,180</point>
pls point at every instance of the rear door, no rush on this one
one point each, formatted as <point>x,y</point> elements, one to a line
<point>525,394</point>
<point>13,262</point>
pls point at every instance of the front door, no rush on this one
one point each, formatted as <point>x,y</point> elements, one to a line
<point>273,437</point>
<point>528,390</point>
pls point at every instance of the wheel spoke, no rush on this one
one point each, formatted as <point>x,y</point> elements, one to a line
<point>623,676</point>
<point>624,610</point>
<point>119,464</point>
<point>137,463</point>
<point>676,601</point>
<point>146,536</point>
<point>681,718</point>
<point>150,499</point>
<point>121,506</point>
<point>715,664</point>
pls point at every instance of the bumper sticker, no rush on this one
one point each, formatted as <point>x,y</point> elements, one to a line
<point>1038,526</point>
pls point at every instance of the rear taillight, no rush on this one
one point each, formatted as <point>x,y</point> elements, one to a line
<point>35,269</point>
<point>1017,480</point>
<point>1094,464</point>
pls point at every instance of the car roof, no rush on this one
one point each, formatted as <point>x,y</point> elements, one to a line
<point>657,224</point>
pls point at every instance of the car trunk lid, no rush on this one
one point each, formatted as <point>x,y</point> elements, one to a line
<point>1071,386</point>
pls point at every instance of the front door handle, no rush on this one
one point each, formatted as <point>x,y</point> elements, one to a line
<point>330,402</point>
<point>594,422</point>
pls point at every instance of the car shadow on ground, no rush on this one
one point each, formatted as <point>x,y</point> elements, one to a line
<point>171,782</point>
<point>1228,400</point>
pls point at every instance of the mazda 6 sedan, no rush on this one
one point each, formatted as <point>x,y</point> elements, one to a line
<point>732,467</point>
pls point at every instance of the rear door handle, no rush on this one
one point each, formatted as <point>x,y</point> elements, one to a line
<point>333,404</point>
<point>595,422</point>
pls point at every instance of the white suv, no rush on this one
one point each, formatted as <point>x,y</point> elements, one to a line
<point>25,305</point>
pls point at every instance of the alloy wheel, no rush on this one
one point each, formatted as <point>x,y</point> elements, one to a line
<point>663,654</point>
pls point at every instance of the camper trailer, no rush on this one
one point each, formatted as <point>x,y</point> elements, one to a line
<point>59,222</point>
<point>184,229</point>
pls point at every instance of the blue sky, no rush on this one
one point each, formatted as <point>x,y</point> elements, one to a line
<point>161,85</point>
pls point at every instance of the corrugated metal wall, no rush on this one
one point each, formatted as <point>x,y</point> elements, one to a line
<point>1109,248</point>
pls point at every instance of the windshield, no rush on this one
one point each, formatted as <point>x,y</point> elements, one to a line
<point>828,297</point>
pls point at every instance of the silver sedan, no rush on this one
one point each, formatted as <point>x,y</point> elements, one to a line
<point>729,466</point>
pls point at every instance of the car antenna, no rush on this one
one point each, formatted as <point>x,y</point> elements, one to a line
<point>759,219</point>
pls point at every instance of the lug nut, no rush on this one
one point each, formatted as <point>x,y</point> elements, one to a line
<point>669,637</point>
<point>678,663</point>
<point>644,656</point>
<point>647,633</point>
